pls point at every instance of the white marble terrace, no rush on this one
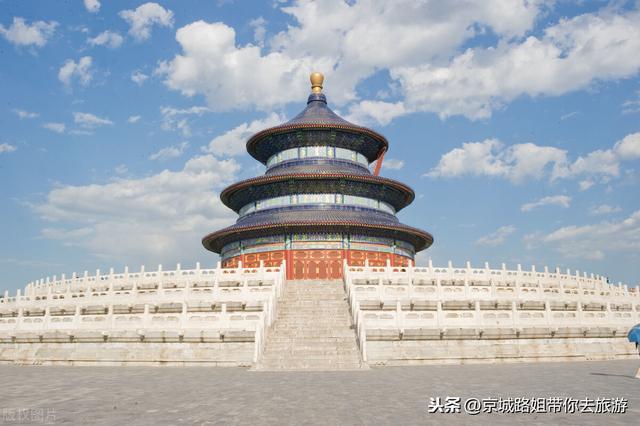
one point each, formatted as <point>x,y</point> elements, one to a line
<point>388,304</point>
<point>192,305</point>
<point>435,303</point>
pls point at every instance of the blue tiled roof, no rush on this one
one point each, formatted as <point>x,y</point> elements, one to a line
<point>314,213</point>
<point>318,166</point>
<point>317,112</point>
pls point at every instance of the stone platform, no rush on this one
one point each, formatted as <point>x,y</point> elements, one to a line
<point>385,396</point>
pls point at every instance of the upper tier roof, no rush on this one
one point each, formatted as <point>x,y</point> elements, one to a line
<point>318,112</point>
<point>317,115</point>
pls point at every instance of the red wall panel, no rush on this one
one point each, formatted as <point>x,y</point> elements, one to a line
<point>315,264</point>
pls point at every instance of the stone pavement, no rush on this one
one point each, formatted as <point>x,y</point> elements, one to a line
<point>391,395</point>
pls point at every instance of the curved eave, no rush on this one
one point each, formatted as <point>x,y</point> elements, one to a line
<point>287,128</point>
<point>214,242</point>
<point>228,192</point>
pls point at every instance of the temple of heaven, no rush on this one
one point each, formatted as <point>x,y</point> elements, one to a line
<point>317,204</point>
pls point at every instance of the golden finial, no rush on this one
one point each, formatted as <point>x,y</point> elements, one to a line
<point>316,82</point>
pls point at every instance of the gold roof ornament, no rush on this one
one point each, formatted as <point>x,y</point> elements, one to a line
<point>316,82</point>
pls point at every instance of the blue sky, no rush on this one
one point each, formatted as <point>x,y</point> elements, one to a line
<point>516,123</point>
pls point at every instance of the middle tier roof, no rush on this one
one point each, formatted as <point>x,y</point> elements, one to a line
<point>390,191</point>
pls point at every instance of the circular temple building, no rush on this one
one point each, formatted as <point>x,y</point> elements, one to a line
<point>317,204</point>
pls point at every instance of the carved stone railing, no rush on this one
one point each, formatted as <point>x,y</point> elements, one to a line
<point>176,301</point>
<point>477,299</point>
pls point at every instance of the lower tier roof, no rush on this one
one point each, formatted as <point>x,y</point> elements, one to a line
<point>314,222</point>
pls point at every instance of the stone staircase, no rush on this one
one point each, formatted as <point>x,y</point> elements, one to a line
<point>312,330</point>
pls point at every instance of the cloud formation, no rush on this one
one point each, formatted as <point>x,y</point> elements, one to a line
<point>5,148</point>
<point>554,200</point>
<point>109,39</point>
<point>92,6</point>
<point>418,46</point>
<point>392,164</point>
<point>139,77</point>
<point>80,71</point>
<point>159,218</point>
<point>25,114</point>
<point>144,17</point>
<point>168,152</point>
<point>238,77</point>
<point>90,121</point>
<point>497,237</point>
<point>594,241</point>
<point>519,162</point>
<point>22,34</point>
<point>604,209</point>
<point>175,118</point>
<point>233,142</point>
<point>55,127</point>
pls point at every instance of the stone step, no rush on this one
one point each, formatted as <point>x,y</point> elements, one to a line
<point>327,313</point>
<point>310,366</point>
<point>320,360</point>
<point>325,343</point>
<point>336,347</point>
<point>308,310</point>
<point>293,351</point>
<point>328,339</point>
<point>297,329</point>
<point>304,320</point>
<point>312,330</point>
<point>299,354</point>
<point>302,330</point>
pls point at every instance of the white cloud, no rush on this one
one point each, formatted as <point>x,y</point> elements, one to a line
<point>594,241</point>
<point>554,200</point>
<point>571,55</point>
<point>491,158</point>
<point>160,218</point>
<point>121,169</point>
<point>569,115</point>
<point>586,184</point>
<point>259,30</point>
<point>233,77</point>
<point>233,141</point>
<point>90,121</point>
<point>603,209</point>
<point>417,45</point>
<point>25,114</point>
<point>80,70</point>
<point>392,164</point>
<point>362,37</point>
<point>522,161</point>
<point>629,147</point>
<point>632,106</point>
<point>144,17</point>
<point>173,118</point>
<point>80,132</point>
<point>22,34</point>
<point>92,6</point>
<point>172,151</point>
<point>194,110</point>
<point>110,39</point>
<point>133,119</point>
<point>5,147</point>
<point>55,127</point>
<point>138,77</point>
<point>497,237</point>
<point>375,112</point>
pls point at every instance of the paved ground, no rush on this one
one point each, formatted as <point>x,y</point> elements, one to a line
<point>392,395</point>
